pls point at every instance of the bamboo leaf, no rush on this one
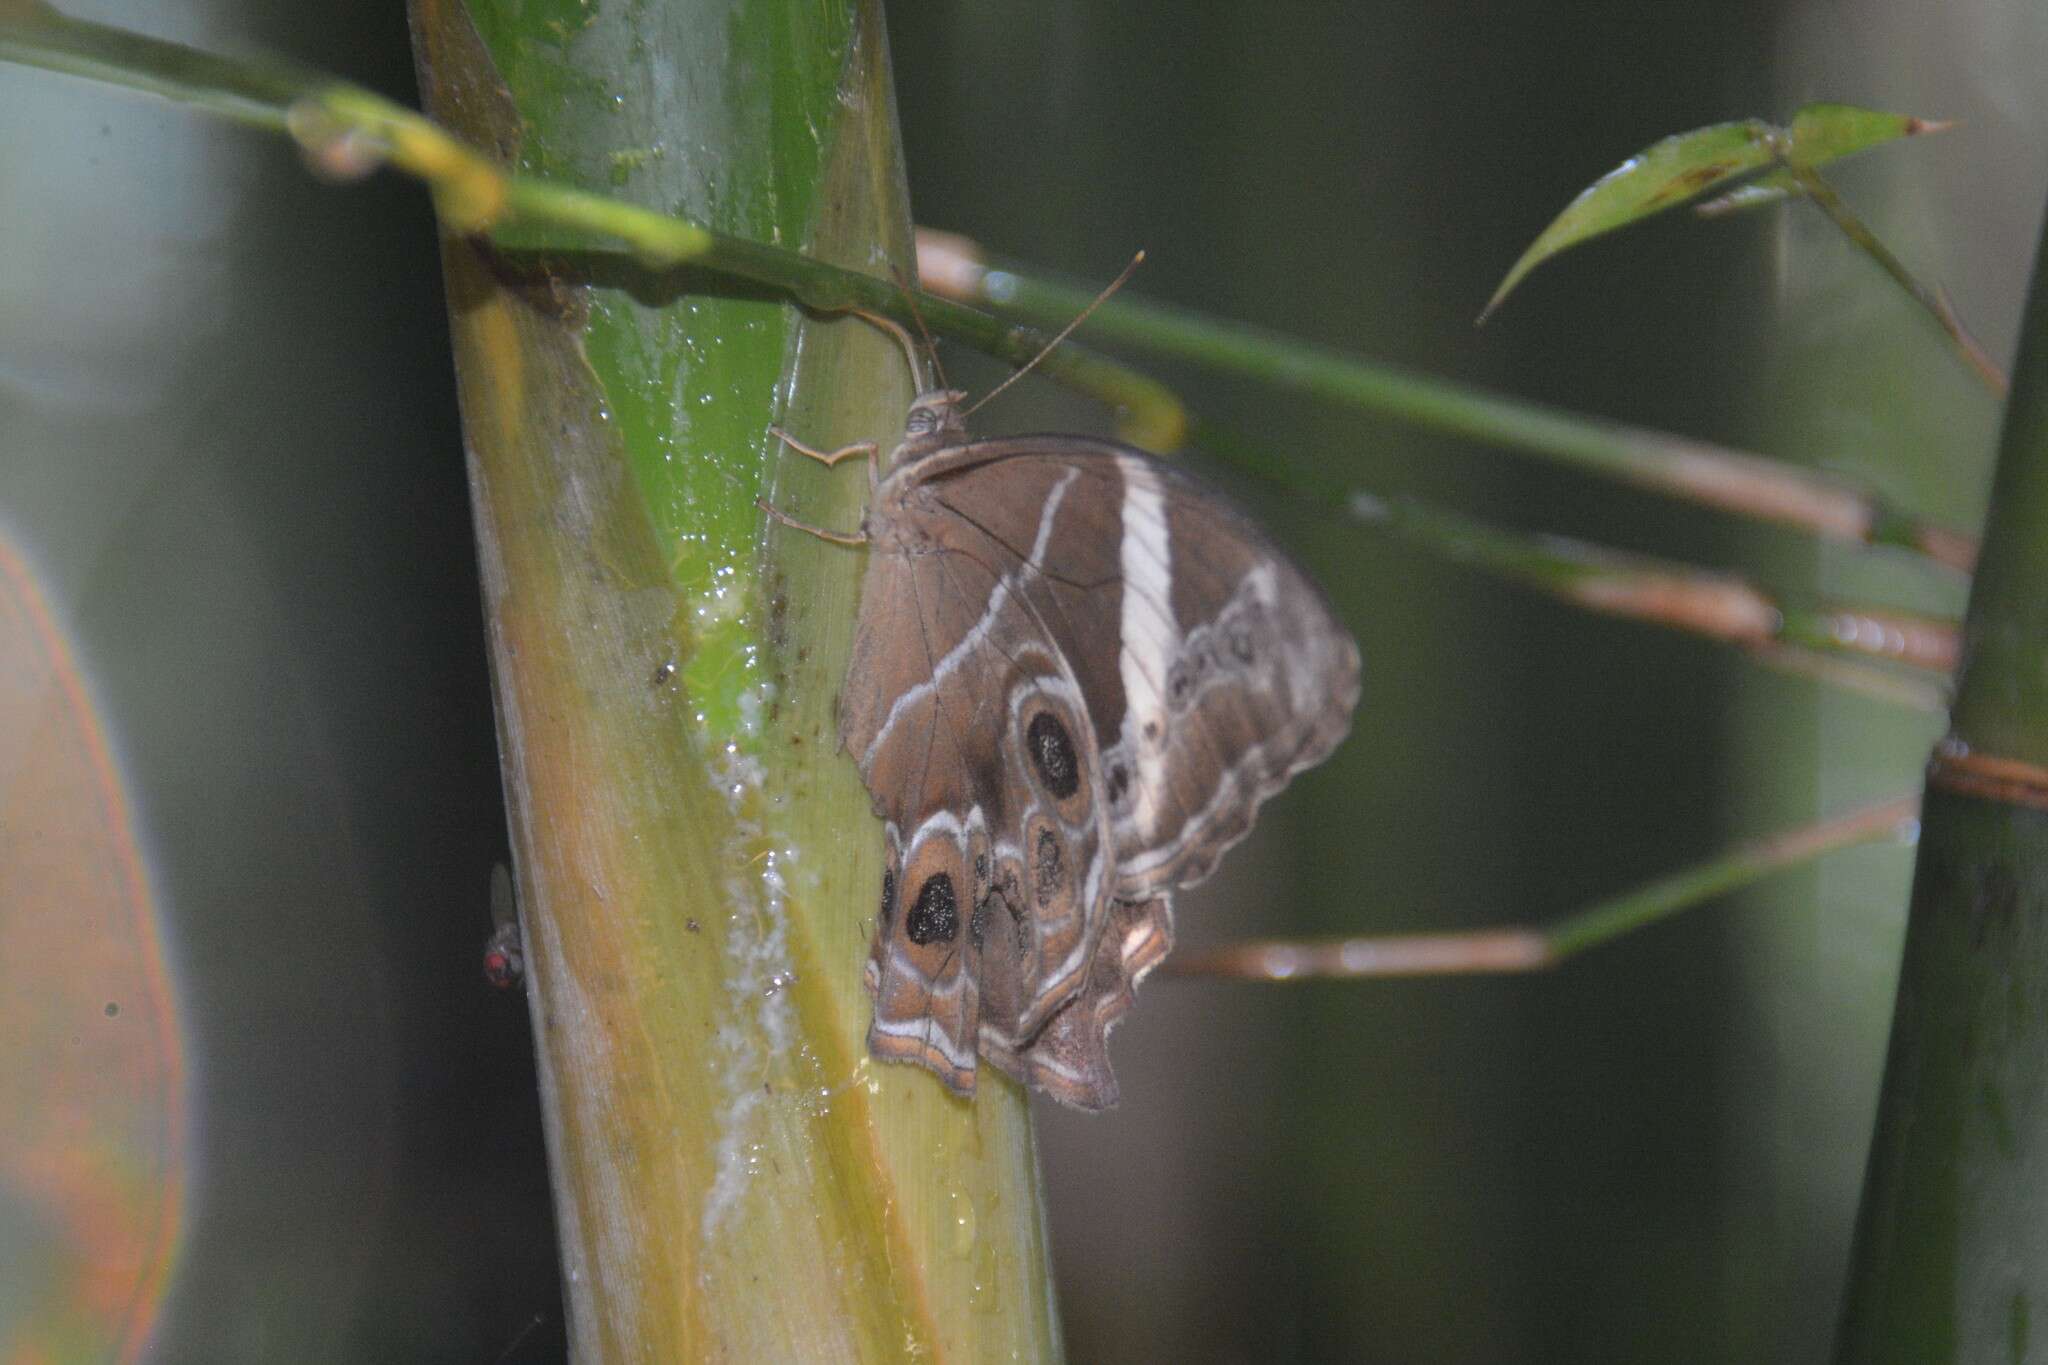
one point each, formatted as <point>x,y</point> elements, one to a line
<point>1820,133</point>
<point>1661,176</point>
<point>1685,166</point>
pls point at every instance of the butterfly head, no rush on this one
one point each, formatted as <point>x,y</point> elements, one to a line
<point>933,423</point>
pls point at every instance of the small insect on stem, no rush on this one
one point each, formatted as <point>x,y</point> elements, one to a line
<point>505,952</point>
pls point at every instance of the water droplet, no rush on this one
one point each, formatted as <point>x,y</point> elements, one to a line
<point>960,1213</point>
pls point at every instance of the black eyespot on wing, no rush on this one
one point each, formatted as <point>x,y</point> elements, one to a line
<point>1119,781</point>
<point>977,925</point>
<point>888,897</point>
<point>936,916</point>
<point>1045,864</point>
<point>1052,753</point>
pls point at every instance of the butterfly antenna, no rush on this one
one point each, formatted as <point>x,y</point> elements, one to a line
<point>931,347</point>
<point>903,338</point>
<point>1064,332</point>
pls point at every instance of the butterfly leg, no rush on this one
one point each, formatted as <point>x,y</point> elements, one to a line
<point>836,537</point>
<point>829,458</point>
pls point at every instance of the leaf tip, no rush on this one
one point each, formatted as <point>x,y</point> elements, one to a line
<point>1507,285</point>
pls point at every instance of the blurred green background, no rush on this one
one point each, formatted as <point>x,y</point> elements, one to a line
<point>230,447</point>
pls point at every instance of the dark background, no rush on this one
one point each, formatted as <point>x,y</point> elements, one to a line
<point>231,448</point>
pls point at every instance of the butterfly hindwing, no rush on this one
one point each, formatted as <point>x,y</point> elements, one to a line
<point>983,769</point>
<point>1069,1057</point>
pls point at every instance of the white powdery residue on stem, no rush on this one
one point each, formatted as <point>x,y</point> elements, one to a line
<point>757,1025</point>
<point>753,705</point>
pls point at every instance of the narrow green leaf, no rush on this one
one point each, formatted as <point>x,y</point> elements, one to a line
<point>1685,166</point>
<point>1664,174</point>
<point>1821,133</point>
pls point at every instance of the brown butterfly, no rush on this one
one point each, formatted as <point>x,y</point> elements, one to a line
<point>1076,674</point>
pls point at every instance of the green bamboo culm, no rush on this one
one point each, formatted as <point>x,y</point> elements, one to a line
<point>1950,1259</point>
<point>697,864</point>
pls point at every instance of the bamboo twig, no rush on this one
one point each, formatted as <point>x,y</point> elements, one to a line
<point>1699,471</point>
<point>349,131</point>
<point>1515,949</point>
<point>1857,648</point>
<point>1717,606</point>
<point>1917,693</point>
<point>1934,301</point>
<point>346,130</point>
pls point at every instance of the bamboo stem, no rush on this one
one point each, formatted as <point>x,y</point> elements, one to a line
<point>1949,1263</point>
<point>698,867</point>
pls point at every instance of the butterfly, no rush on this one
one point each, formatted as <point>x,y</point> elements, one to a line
<point>1076,673</point>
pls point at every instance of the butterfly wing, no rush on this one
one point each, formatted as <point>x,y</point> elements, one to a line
<point>1212,666</point>
<point>1069,1057</point>
<point>1077,674</point>
<point>972,734</point>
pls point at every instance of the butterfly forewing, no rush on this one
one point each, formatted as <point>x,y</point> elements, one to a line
<point>1212,665</point>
